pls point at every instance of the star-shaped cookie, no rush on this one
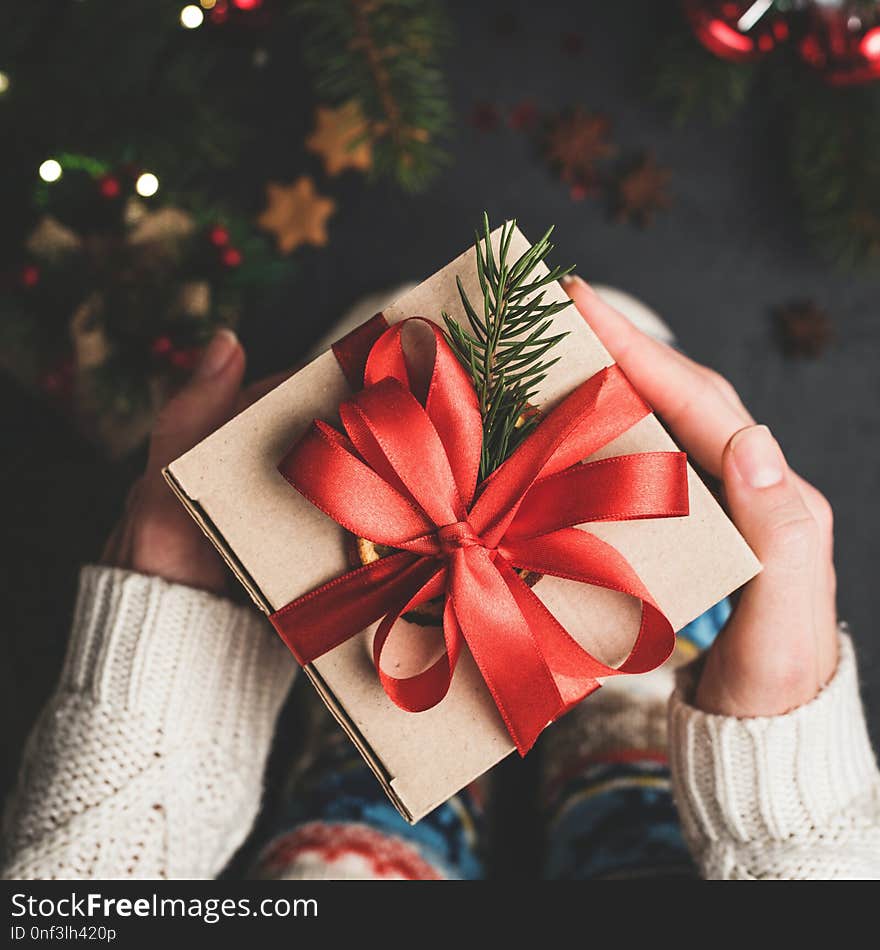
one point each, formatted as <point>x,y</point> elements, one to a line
<point>339,138</point>
<point>296,214</point>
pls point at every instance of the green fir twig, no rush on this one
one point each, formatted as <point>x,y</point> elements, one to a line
<point>387,55</point>
<point>505,348</point>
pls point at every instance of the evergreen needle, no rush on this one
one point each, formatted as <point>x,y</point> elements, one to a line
<point>504,350</point>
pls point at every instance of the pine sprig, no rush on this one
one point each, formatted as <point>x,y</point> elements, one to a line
<point>505,348</point>
<point>387,55</point>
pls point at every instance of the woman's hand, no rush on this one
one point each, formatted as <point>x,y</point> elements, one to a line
<point>780,645</point>
<point>156,535</point>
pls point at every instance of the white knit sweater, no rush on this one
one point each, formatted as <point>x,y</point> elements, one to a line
<point>148,760</point>
<point>780,797</point>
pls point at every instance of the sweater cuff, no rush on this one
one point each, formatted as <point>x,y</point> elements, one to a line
<point>185,658</point>
<point>770,777</point>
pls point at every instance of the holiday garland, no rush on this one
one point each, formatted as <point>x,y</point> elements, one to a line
<point>114,296</point>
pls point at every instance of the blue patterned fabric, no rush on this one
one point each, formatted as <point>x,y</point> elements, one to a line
<point>617,818</point>
<point>338,788</point>
<point>617,821</point>
<point>702,631</point>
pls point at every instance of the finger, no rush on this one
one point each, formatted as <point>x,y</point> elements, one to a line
<point>204,403</point>
<point>701,408</point>
<point>770,647</point>
<point>825,588</point>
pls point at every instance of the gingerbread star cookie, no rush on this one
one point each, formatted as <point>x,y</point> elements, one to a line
<point>296,214</point>
<point>340,138</point>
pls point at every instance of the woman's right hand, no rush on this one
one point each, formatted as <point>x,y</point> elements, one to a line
<point>780,645</point>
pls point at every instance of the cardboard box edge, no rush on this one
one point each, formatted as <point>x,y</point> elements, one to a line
<point>327,696</point>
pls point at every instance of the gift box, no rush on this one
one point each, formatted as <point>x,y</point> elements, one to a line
<point>520,646</point>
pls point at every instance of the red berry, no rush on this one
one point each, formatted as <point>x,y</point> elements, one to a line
<point>161,346</point>
<point>185,359</point>
<point>30,275</point>
<point>58,380</point>
<point>218,236</point>
<point>231,257</point>
<point>109,186</point>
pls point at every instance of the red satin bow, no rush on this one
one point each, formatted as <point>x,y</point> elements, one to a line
<point>406,476</point>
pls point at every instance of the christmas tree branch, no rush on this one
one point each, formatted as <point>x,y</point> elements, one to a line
<point>504,348</point>
<point>385,55</point>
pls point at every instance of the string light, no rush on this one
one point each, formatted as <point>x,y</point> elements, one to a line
<point>191,17</point>
<point>4,83</point>
<point>208,4</point>
<point>50,170</point>
<point>147,185</point>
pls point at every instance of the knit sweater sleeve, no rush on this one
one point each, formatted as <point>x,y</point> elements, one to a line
<point>795,796</point>
<point>148,760</point>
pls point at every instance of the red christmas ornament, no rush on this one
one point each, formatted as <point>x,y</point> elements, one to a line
<point>843,42</point>
<point>218,236</point>
<point>161,346</point>
<point>30,276</point>
<point>738,31</point>
<point>231,257</point>
<point>838,38</point>
<point>109,186</point>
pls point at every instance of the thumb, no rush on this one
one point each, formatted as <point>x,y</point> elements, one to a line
<point>765,661</point>
<point>204,403</point>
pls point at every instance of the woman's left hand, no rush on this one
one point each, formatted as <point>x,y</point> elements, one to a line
<point>156,535</point>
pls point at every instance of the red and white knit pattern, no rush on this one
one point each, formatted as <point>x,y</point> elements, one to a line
<point>343,852</point>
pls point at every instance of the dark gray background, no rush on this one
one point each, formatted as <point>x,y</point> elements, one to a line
<point>728,251</point>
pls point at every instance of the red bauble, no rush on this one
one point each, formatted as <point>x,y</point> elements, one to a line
<point>231,257</point>
<point>161,346</point>
<point>839,39</point>
<point>109,186</point>
<point>30,276</point>
<point>736,30</point>
<point>218,236</point>
<point>843,42</point>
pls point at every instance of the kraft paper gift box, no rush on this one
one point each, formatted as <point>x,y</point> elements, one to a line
<point>281,547</point>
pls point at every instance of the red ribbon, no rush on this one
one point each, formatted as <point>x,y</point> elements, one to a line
<point>404,475</point>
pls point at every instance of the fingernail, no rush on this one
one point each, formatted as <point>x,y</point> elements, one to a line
<point>217,354</point>
<point>757,457</point>
<point>575,280</point>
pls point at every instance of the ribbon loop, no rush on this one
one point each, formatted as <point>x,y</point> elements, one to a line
<point>406,477</point>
